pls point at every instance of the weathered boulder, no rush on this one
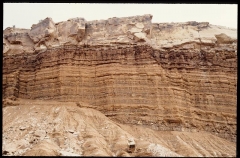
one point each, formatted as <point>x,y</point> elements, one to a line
<point>131,145</point>
<point>71,31</point>
<point>44,31</point>
<point>117,30</point>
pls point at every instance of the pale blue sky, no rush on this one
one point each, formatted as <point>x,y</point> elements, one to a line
<point>23,15</point>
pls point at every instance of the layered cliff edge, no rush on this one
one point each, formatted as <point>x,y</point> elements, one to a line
<point>122,31</point>
<point>163,76</point>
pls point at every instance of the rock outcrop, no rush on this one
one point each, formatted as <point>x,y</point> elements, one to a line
<point>164,76</point>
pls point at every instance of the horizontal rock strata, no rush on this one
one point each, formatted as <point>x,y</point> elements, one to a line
<point>176,76</point>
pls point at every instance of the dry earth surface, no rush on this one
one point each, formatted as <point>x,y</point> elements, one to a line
<point>46,128</point>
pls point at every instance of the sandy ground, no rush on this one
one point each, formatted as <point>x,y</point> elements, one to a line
<point>51,128</point>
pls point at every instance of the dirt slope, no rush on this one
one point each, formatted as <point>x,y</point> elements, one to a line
<point>51,128</point>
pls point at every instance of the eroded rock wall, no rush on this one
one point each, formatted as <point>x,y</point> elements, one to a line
<point>178,76</point>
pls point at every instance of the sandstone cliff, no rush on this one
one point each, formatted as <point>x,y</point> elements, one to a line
<point>164,76</point>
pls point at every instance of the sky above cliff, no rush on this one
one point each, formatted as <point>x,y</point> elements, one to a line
<point>23,15</point>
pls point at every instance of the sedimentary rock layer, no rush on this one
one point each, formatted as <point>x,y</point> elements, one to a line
<point>176,76</point>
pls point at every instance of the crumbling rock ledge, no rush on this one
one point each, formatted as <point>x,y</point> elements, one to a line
<point>165,76</point>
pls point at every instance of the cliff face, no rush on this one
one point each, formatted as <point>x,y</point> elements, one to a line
<point>166,76</point>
